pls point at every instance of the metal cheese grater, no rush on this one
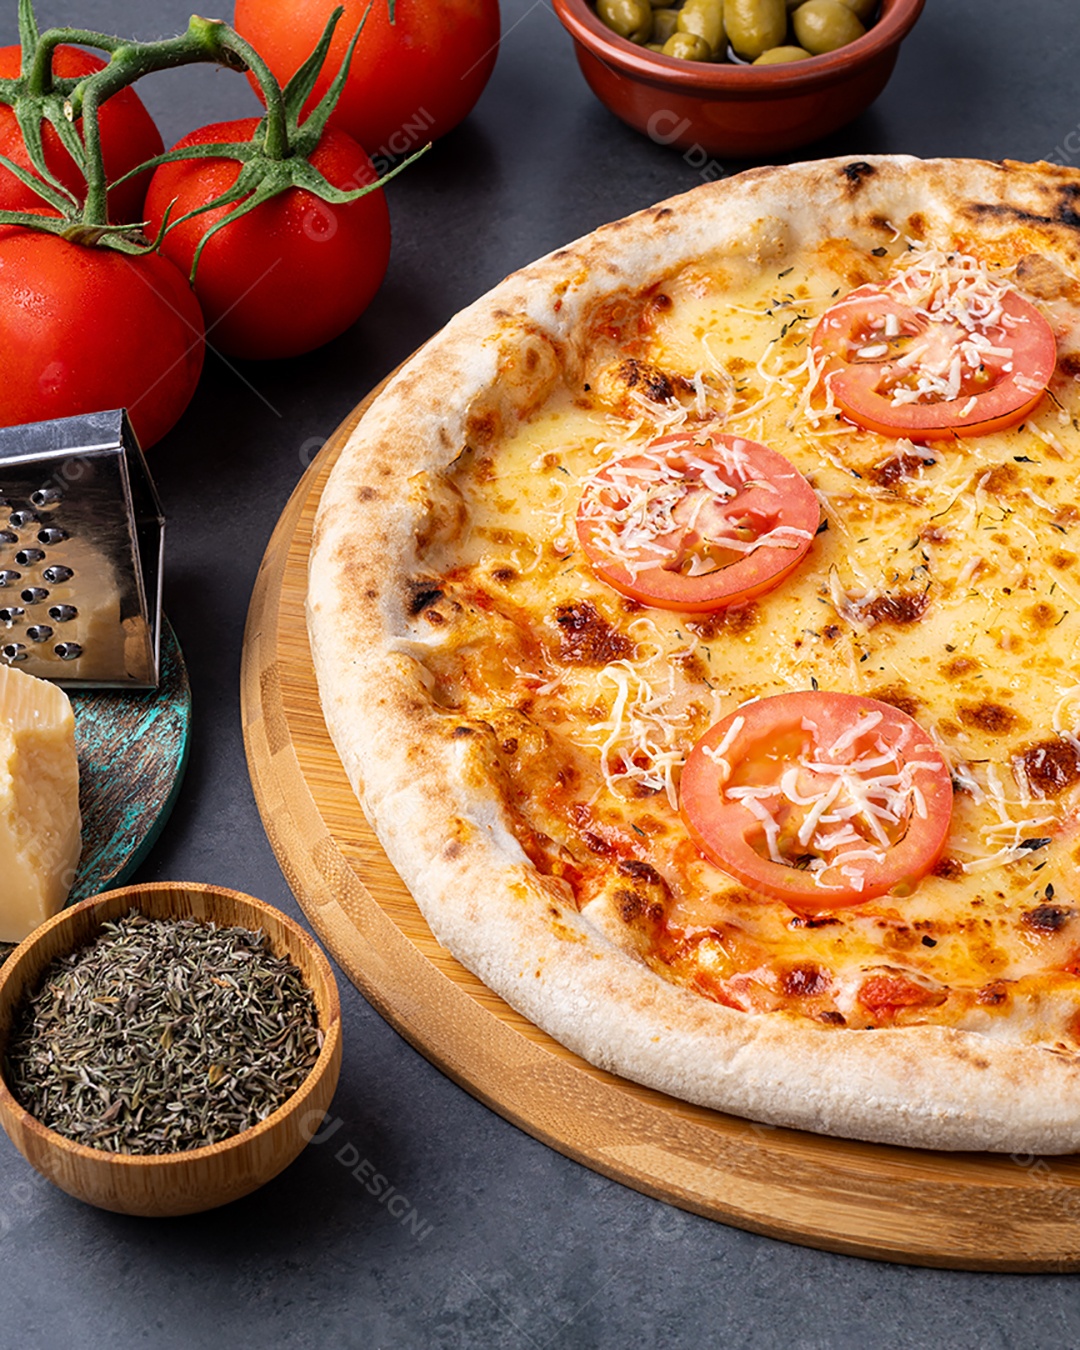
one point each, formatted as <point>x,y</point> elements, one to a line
<point>81,539</point>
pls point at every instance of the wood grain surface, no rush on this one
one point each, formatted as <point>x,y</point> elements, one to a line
<point>968,1211</point>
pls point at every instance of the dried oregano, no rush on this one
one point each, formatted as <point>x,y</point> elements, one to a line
<point>162,1036</point>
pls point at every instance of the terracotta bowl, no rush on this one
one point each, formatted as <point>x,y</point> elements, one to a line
<point>722,108</point>
<point>173,1183</point>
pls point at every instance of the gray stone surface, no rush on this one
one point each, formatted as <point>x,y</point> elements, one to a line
<point>506,1243</point>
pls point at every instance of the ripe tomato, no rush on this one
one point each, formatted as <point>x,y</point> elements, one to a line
<point>291,274</point>
<point>128,138</point>
<point>410,82</point>
<point>85,328</point>
<point>696,522</point>
<point>820,800</point>
<point>936,353</point>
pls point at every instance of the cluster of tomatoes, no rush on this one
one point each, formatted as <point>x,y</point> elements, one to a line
<point>85,326</point>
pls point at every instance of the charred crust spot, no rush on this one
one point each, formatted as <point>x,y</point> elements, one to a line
<point>633,907</point>
<point>647,379</point>
<point>988,716</point>
<point>818,921</point>
<point>460,732</point>
<point>640,871</point>
<point>1001,479</point>
<point>832,1018</point>
<point>503,575</point>
<point>661,211</point>
<point>896,468</point>
<point>1047,918</point>
<point>482,427</point>
<point>1061,561</point>
<point>959,666</point>
<point>897,696</point>
<point>371,593</point>
<point>903,608</point>
<point>916,225</point>
<point>735,619</point>
<point>993,995</point>
<point>805,982</point>
<point>830,632</point>
<point>1049,767</point>
<point>948,869</point>
<point>367,494</point>
<point>587,639</point>
<point>1064,211</point>
<point>421,594</point>
<point>1070,364</point>
<point>1043,615</point>
<point>857,172</point>
<point>594,843</point>
<point>452,849</point>
<point>661,301</point>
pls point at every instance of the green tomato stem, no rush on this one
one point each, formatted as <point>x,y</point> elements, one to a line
<point>205,40</point>
<point>39,77</point>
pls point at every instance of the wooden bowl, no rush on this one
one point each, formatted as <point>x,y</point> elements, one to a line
<point>722,108</point>
<point>173,1183</point>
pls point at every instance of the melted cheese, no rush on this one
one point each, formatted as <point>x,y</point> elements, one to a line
<point>948,585</point>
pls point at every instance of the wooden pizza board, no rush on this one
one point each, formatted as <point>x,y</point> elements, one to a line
<point>964,1210</point>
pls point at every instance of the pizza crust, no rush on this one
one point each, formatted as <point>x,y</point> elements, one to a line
<point>430,784</point>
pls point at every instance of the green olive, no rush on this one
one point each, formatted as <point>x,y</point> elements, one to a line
<point>753,26</point>
<point>629,18</point>
<point>862,9</point>
<point>664,23</point>
<point>823,25</point>
<point>687,47</point>
<point>706,19</point>
<point>775,55</point>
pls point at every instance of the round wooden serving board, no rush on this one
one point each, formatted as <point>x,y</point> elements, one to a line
<point>970,1211</point>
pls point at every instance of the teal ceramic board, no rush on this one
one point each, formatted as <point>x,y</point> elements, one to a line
<point>133,749</point>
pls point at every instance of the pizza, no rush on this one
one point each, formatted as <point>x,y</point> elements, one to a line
<point>697,619</point>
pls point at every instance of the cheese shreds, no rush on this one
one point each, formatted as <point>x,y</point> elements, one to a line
<point>837,807</point>
<point>655,510</point>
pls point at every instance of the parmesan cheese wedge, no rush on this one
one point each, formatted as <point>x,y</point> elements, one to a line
<point>40,825</point>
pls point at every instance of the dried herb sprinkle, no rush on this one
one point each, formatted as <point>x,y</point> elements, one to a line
<point>161,1036</point>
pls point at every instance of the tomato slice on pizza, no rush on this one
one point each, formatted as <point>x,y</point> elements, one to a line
<point>697,521</point>
<point>821,800</point>
<point>942,349</point>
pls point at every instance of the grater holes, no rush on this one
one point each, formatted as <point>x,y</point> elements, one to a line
<point>46,496</point>
<point>18,520</point>
<point>8,577</point>
<point>40,632</point>
<point>11,614</point>
<point>14,651</point>
<point>27,557</point>
<point>58,613</point>
<point>68,651</point>
<point>51,534</point>
<point>8,537</point>
<point>57,574</point>
<point>34,595</point>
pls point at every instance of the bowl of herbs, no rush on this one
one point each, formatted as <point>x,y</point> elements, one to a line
<point>166,1048</point>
